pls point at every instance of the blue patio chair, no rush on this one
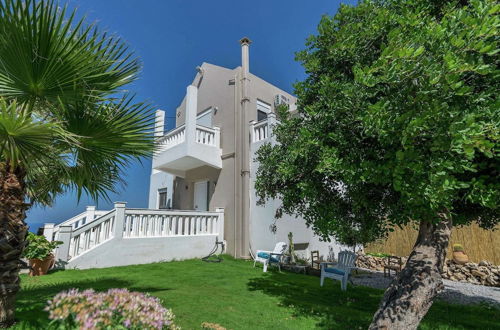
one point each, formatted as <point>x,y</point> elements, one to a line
<point>341,270</point>
<point>271,257</point>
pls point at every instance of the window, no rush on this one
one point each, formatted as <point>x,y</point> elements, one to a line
<point>205,118</point>
<point>261,115</point>
<point>163,202</point>
<point>262,110</point>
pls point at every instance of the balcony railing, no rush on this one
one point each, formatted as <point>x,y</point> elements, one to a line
<point>262,130</point>
<point>173,138</point>
<point>203,135</point>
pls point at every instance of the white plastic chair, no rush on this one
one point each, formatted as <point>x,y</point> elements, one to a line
<point>271,257</point>
<point>342,269</point>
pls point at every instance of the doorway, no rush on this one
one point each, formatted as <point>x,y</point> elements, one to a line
<point>201,196</point>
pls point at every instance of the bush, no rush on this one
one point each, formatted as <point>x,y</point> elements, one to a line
<point>116,308</point>
<point>378,254</point>
<point>458,248</point>
<point>39,247</point>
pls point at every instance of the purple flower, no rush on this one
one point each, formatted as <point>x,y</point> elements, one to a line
<point>92,310</point>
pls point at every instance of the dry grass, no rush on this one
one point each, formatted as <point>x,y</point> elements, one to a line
<point>479,244</point>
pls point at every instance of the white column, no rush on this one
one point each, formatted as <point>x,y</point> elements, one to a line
<point>252,130</point>
<point>159,122</point>
<point>220,223</point>
<point>217,137</point>
<point>271,122</point>
<point>48,231</point>
<point>191,109</point>
<point>62,252</point>
<point>119,219</point>
<point>90,214</point>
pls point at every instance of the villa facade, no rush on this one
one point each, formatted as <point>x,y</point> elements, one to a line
<point>202,183</point>
<point>207,161</point>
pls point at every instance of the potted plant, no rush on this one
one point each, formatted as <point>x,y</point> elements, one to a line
<point>39,253</point>
<point>459,255</point>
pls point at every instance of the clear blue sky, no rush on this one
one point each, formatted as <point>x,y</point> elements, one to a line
<point>173,37</point>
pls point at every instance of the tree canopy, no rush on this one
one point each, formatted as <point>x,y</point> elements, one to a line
<point>397,121</point>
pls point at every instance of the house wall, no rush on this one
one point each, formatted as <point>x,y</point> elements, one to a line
<point>133,251</point>
<point>160,180</point>
<point>262,217</point>
<point>220,89</point>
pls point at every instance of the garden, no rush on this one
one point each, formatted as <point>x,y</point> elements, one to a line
<point>234,295</point>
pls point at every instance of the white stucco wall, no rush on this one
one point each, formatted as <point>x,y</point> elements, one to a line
<point>133,251</point>
<point>160,180</point>
<point>262,217</point>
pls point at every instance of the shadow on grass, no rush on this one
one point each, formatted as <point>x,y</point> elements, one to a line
<point>332,307</point>
<point>32,299</point>
<point>354,308</point>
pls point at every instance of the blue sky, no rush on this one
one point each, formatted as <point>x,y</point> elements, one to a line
<point>173,37</point>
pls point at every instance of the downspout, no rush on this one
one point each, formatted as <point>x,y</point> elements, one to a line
<point>235,158</point>
<point>245,170</point>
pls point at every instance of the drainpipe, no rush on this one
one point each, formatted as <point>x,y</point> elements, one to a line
<point>245,148</point>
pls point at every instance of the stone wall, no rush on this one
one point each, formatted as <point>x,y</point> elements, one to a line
<point>483,273</point>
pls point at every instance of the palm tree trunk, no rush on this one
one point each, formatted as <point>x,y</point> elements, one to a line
<point>12,237</point>
<point>410,295</point>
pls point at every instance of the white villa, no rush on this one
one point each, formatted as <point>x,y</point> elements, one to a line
<point>202,183</point>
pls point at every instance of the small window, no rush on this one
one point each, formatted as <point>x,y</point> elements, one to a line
<point>262,110</point>
<point>205,118</point>
<point>261,115</point>
<point>163,202</point>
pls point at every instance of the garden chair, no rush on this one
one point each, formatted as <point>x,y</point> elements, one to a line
<point>342,269</point>
<point>315,260</point>
<point>393,263</point>
<point>271,257</point>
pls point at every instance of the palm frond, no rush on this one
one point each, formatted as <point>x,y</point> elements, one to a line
<point>47,54</point>
<point>26,140</point>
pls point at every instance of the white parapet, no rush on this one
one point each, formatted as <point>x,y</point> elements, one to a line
<point>126,236</point>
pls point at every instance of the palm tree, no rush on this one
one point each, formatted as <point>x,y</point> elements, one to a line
<point>65,122</point>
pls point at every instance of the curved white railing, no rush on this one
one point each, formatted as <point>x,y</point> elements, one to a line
<point>156,223</point>
<point>92,234</point>
<point>172,138</point>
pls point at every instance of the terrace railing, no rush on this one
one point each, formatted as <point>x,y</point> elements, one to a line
<point>203,135</point>
<point>123,223</point>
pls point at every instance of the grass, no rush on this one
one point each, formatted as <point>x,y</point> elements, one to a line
<point>237,296</point>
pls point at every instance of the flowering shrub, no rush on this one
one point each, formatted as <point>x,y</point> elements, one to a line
<point>116,308</point>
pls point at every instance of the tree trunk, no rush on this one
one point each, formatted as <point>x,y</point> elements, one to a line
<point>12,238</point>
<point>410,295</point>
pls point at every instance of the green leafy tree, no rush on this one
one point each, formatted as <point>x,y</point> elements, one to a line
<point>398,123</point>
<point>65,122</point>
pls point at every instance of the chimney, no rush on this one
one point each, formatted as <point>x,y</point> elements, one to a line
<point>245,43</point>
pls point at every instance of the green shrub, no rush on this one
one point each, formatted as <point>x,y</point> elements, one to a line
<point>378,254</point>
<point>458,248</point>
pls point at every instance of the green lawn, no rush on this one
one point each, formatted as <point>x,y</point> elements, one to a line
<point>237,296</point>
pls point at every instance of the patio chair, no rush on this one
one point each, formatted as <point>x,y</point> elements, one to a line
<point>393,263</point>
<point>342,269</point>
<point>271,257</point>
<point>315,260</point>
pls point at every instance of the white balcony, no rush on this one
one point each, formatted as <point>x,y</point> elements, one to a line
<point>178,151</point>
<point>262,131</point>
<point>188,146</point>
